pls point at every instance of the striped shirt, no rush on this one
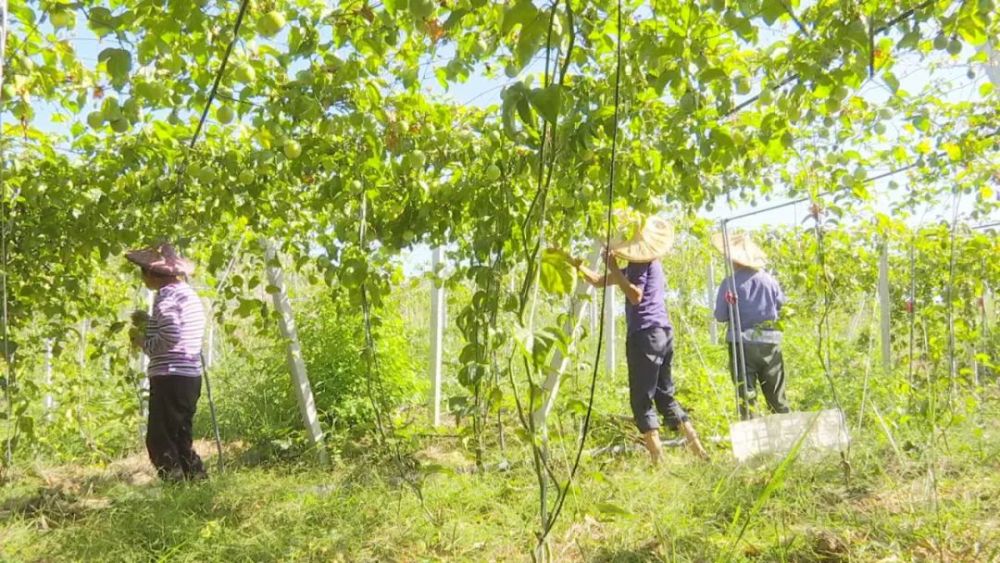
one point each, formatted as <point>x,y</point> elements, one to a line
<point>174,333</point>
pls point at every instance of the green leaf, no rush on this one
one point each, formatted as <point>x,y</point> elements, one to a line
<point>985,89</point>
<point>546,101</point>
<point>520,13</point>
<point>524,110</point>
<point>26,425</point>
<point>101,21</point>
<point>118,63</point>
<point>891,81</point>
<point>421,9</point>
<point>557,275</point>
<point>771,10</point>
<point>954,151</point>
<point>713,74</point>
<point>530,41</point>
<point>857,33</point>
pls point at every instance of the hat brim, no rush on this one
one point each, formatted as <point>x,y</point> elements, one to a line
<point>150,259</point>
<point>743,252</point>
<point>652,242</point>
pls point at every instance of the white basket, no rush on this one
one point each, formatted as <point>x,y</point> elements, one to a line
<point>776,434</point>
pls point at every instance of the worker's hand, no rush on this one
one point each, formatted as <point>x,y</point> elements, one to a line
<point>136,336</point>
<point>609,259</point>
<point>140,318</point>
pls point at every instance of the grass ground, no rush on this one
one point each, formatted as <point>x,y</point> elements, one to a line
<point>621,510</point>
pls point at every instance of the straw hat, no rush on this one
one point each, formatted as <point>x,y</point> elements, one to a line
<point>742,250</point>
<point>161,259</point>
<point>651,241</point>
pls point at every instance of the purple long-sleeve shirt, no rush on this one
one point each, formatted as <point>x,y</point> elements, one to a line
<point>758,298</point>
<point>651,311</point>
<point>174,332</point>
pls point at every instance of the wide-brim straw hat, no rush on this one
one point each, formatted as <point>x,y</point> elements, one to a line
<point>651,242</point>
<point>742,250</point>
<point>161,259</point>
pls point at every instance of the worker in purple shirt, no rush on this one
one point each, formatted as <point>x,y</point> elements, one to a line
<point>649,344</point>
<point>751,299</point>
<point>171,338</point>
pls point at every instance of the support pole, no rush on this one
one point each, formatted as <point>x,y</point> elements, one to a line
<point>437,336</point>
<point>296,364</point>
<point>885,309</point>
<point>573,327</point>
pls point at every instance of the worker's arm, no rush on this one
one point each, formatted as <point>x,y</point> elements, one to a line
<point>165,327</point>
<point>614,277</point>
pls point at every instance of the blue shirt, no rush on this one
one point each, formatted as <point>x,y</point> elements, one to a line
<point>758,298</point>
<point>651,311</point>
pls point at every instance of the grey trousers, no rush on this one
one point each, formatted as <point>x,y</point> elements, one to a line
<point>764,367</point>
<point>651,388</point>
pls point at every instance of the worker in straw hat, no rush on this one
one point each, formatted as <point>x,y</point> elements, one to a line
<point>649,344</point>
<point>171,338</point>
<point>751,299</point>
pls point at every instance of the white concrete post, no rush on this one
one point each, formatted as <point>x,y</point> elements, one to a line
<point>81,358</point>
<point>573,327</point>
<point>49,403</point>
<point>593,318</point>
<point>609,330</point>
<point>296,364</point>
<point>437,336</point>
<point>885,307</point>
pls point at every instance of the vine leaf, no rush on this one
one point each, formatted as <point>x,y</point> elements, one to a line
<point>520,13</point>
<point>556,273</point>
<point>118,62</point>
<point>546,101</point>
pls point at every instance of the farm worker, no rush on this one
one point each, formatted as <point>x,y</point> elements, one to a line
<point>751,298</point>
<point>649,345</point>
<point>172,338</point>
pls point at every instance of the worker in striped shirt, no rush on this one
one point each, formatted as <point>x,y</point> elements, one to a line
<point>171,337</point>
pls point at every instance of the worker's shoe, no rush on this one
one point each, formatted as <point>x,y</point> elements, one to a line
<point>651,440</point>
<point>691,437</point>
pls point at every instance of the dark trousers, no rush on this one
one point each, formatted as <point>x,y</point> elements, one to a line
<point>649,354</point>
<point>764,366</point>
<point>172,403</point>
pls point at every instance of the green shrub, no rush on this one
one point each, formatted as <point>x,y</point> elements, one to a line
<point>333,336</point>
